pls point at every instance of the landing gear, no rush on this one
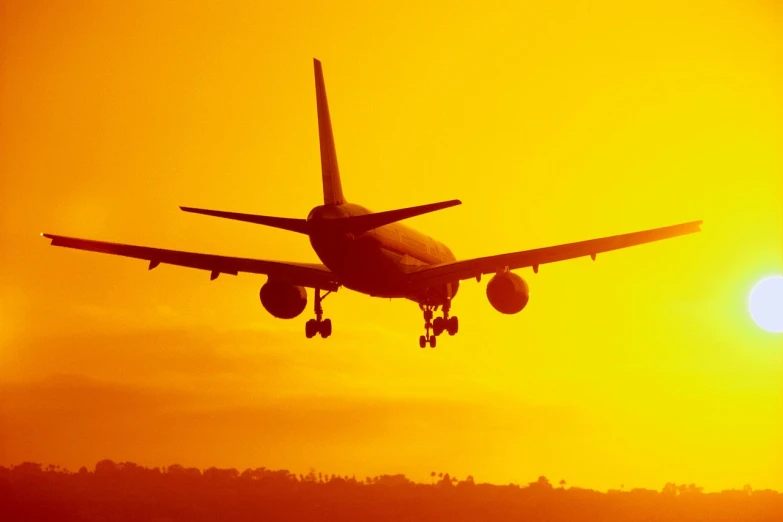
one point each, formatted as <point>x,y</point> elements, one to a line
<point>452,325</point>
<point>445,323</point>
<point>427,338</point>
<point>438,325</point>
<point>319,325</point>
<point>313,327</point>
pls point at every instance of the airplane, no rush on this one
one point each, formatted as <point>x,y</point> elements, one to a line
<point>372,253</point>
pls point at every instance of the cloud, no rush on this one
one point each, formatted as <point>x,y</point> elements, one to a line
<point>140,355</point>
<point>74,420</point>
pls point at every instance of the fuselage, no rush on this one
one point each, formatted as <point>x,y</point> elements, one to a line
<point>376,262</point>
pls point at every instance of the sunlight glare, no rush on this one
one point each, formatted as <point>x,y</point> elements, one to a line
<point>766,304</point>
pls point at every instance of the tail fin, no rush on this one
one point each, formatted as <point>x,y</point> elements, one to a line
<point>333,190</point>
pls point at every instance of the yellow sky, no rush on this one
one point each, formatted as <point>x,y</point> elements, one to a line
<point>553,122</point>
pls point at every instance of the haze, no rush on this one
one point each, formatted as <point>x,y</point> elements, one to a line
<point>552,124</point>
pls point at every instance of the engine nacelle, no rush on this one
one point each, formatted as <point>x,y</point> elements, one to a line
<point>283,300</point>
<point>508,293</point>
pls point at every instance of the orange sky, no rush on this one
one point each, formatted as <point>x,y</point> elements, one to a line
<point>552,123</point>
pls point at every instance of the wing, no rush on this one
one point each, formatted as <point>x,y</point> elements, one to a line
<point>300,274</point>
<point>459,270</point>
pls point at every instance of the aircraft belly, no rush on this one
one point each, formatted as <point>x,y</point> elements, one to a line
<point>362,266</point>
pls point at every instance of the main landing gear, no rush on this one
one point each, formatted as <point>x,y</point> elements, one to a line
<point>438,326</point>
<point>319,325</point>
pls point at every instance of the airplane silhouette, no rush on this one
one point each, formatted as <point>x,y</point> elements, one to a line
<point>372,253</point>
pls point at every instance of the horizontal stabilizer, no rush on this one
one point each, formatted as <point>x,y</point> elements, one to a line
<point>359,224</point>
<point>294,225</point>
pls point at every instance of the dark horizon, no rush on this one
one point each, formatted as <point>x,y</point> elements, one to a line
<point>105,465</point>
<point>127,491</point>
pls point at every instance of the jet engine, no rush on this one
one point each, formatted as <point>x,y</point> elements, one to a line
<point>508,293</point>
<point>283,300</point>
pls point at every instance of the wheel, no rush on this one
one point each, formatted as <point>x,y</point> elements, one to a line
<point>433,341</point>
<point>311,328</point>
<point>438,326</point>
<point>422,341</point>
<point>325,328</point>
<point>453,325</point>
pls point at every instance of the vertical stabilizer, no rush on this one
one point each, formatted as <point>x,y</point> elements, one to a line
<point>333,190</point>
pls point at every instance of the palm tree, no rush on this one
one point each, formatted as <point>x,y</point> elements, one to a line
<point>433,475</point>
<point>562,484</point>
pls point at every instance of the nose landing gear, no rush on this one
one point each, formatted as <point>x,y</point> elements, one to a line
<point>319,325</point>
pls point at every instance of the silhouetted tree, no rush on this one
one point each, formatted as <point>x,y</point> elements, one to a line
<point>28,468</point>
<point>670,489</point>
<point>105,466</point>
<point>393,480</point>
<point>690,489</point>
<point>445,482</point>
<point>127,492</point>
<point>541,483</point>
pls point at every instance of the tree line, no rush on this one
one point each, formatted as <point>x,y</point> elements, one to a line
<point>126,491</point>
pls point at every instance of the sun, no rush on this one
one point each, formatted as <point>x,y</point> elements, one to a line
<point>766,304</point>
